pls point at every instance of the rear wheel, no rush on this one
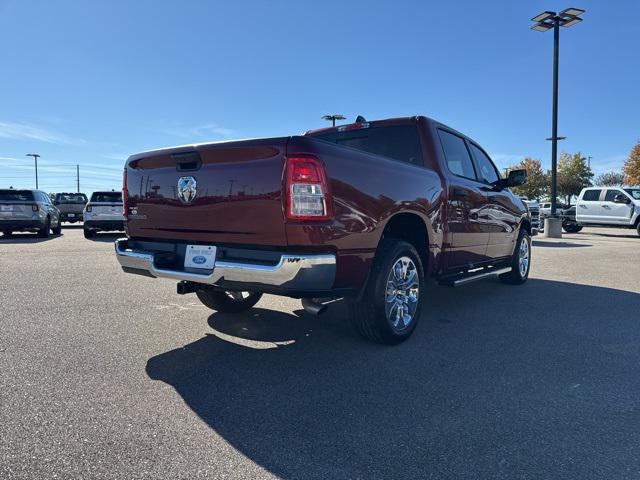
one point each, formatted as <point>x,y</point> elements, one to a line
<point>89,233</point>
<point>390,307</point>
<point>638,228</point>
<point>520,262</point>
<point>228,301</point>
<point>44,231</point>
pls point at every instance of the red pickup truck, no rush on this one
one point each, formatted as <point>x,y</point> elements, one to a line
<point>365,211</point>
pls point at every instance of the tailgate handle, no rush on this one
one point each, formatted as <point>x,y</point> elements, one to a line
<point>187,162</point>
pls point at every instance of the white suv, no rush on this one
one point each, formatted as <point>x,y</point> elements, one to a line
<point>609,206</point>
<point>103,212</point>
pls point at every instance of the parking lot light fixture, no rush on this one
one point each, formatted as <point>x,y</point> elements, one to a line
<point>35,158</point>
<point>333,118</point>
<point>543,22</point>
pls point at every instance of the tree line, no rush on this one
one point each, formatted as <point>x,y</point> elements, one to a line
<point>574,174</point>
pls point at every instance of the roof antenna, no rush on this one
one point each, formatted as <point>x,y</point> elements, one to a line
<point>360,119</point>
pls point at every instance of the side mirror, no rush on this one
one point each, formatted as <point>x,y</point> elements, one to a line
<point>515,178</point>
<point>621,199</point>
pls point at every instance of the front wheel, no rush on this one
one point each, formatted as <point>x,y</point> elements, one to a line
<point>89,233</point>
<point>390,308</point>
<point>7,233</point>
<point>58,229</point>
<point>520,261</point>
<point>228,301</point>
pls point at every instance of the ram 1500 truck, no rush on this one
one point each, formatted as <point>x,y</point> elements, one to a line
<point>366,212</point>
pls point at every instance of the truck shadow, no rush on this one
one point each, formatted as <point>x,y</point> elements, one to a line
<point>489,384</point>
<point>106,237</point>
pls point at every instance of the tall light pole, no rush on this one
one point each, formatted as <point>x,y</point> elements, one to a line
<point>543,22</point>
<point>35,157</point>
<point>333,118</point>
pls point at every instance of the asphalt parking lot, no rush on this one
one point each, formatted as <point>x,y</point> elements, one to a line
<point>108,375</point>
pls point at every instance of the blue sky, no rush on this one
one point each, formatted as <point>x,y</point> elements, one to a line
<point>92,82</point>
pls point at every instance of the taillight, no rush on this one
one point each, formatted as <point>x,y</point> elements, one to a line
<point>35,207</point>
<point>124,193</point>
<point>87,208</point>
<point>306,189</point>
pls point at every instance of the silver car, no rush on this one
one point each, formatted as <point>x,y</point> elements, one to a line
<point>28,211</point>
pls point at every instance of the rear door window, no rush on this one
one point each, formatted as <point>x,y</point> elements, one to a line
<point>457,155</point>
<point>399,142</point>
<point>591,195</point>
<point>107,197</point>
<point>486,170</point>
<point>16,196</point>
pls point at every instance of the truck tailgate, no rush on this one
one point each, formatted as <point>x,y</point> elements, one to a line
<point>236,197</point>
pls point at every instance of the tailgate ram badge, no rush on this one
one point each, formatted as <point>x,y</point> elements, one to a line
<point>187,189</point>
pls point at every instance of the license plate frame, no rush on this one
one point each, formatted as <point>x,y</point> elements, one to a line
<point>201,257</point>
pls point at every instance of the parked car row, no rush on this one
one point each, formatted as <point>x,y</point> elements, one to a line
<point>596,206</point>
<point>34,211</point>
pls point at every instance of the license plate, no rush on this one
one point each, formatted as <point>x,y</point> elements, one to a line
<point>71,215</point>
<point>6,208</point>
<point>200,256</point>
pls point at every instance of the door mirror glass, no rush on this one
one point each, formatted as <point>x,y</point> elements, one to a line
<point>621,199</point>
<point>516,178</point>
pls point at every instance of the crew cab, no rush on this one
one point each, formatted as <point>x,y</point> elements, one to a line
<point>103,213</point>
<point>610,207</point>
<point>365,211</point>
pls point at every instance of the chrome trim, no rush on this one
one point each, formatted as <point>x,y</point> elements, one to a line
<point>293,272</point>
<point>480,276</point>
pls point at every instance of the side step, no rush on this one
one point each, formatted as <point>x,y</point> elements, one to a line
<point>463,279</point>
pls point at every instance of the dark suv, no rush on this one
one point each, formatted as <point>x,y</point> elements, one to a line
<point>28,211</point>
<point>71,206</point>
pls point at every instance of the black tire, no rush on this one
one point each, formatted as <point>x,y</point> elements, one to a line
<point>46,230</point>
<point>89,233</point>
<point>515,276</point>
<point>572,228</point>
<point>7,233</point>
<point>369,315</point>
<point>225,302</point>
<point>58,229</point>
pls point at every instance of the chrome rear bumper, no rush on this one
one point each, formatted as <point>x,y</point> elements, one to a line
<point>293,272</point>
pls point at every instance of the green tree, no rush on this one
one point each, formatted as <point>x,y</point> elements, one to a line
<point>573,174</point>
<point>631,167</point>
<point>610,179</point>
<point>537,183</point>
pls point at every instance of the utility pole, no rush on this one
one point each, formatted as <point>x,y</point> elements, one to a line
<point>78,177</point>
<point>35,158</point>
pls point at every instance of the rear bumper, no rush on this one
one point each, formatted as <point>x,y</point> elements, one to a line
<point>18,225</point>
<point>70,217</point>
<point>104,225</point>
<point>293,273</point>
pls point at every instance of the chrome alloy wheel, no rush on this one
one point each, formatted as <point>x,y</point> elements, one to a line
<point>401,295</point>
<point>523,257</point>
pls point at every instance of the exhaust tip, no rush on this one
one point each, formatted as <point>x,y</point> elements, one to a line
<point>313,306</point>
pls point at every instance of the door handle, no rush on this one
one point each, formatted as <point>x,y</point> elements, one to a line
<point>606,206</point>
<point>460,192</point>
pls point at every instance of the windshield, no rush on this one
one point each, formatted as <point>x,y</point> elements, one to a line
<point>107,197</point>
<point>16,196</point>
<point>634,192</point>
<point>71,198</point>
